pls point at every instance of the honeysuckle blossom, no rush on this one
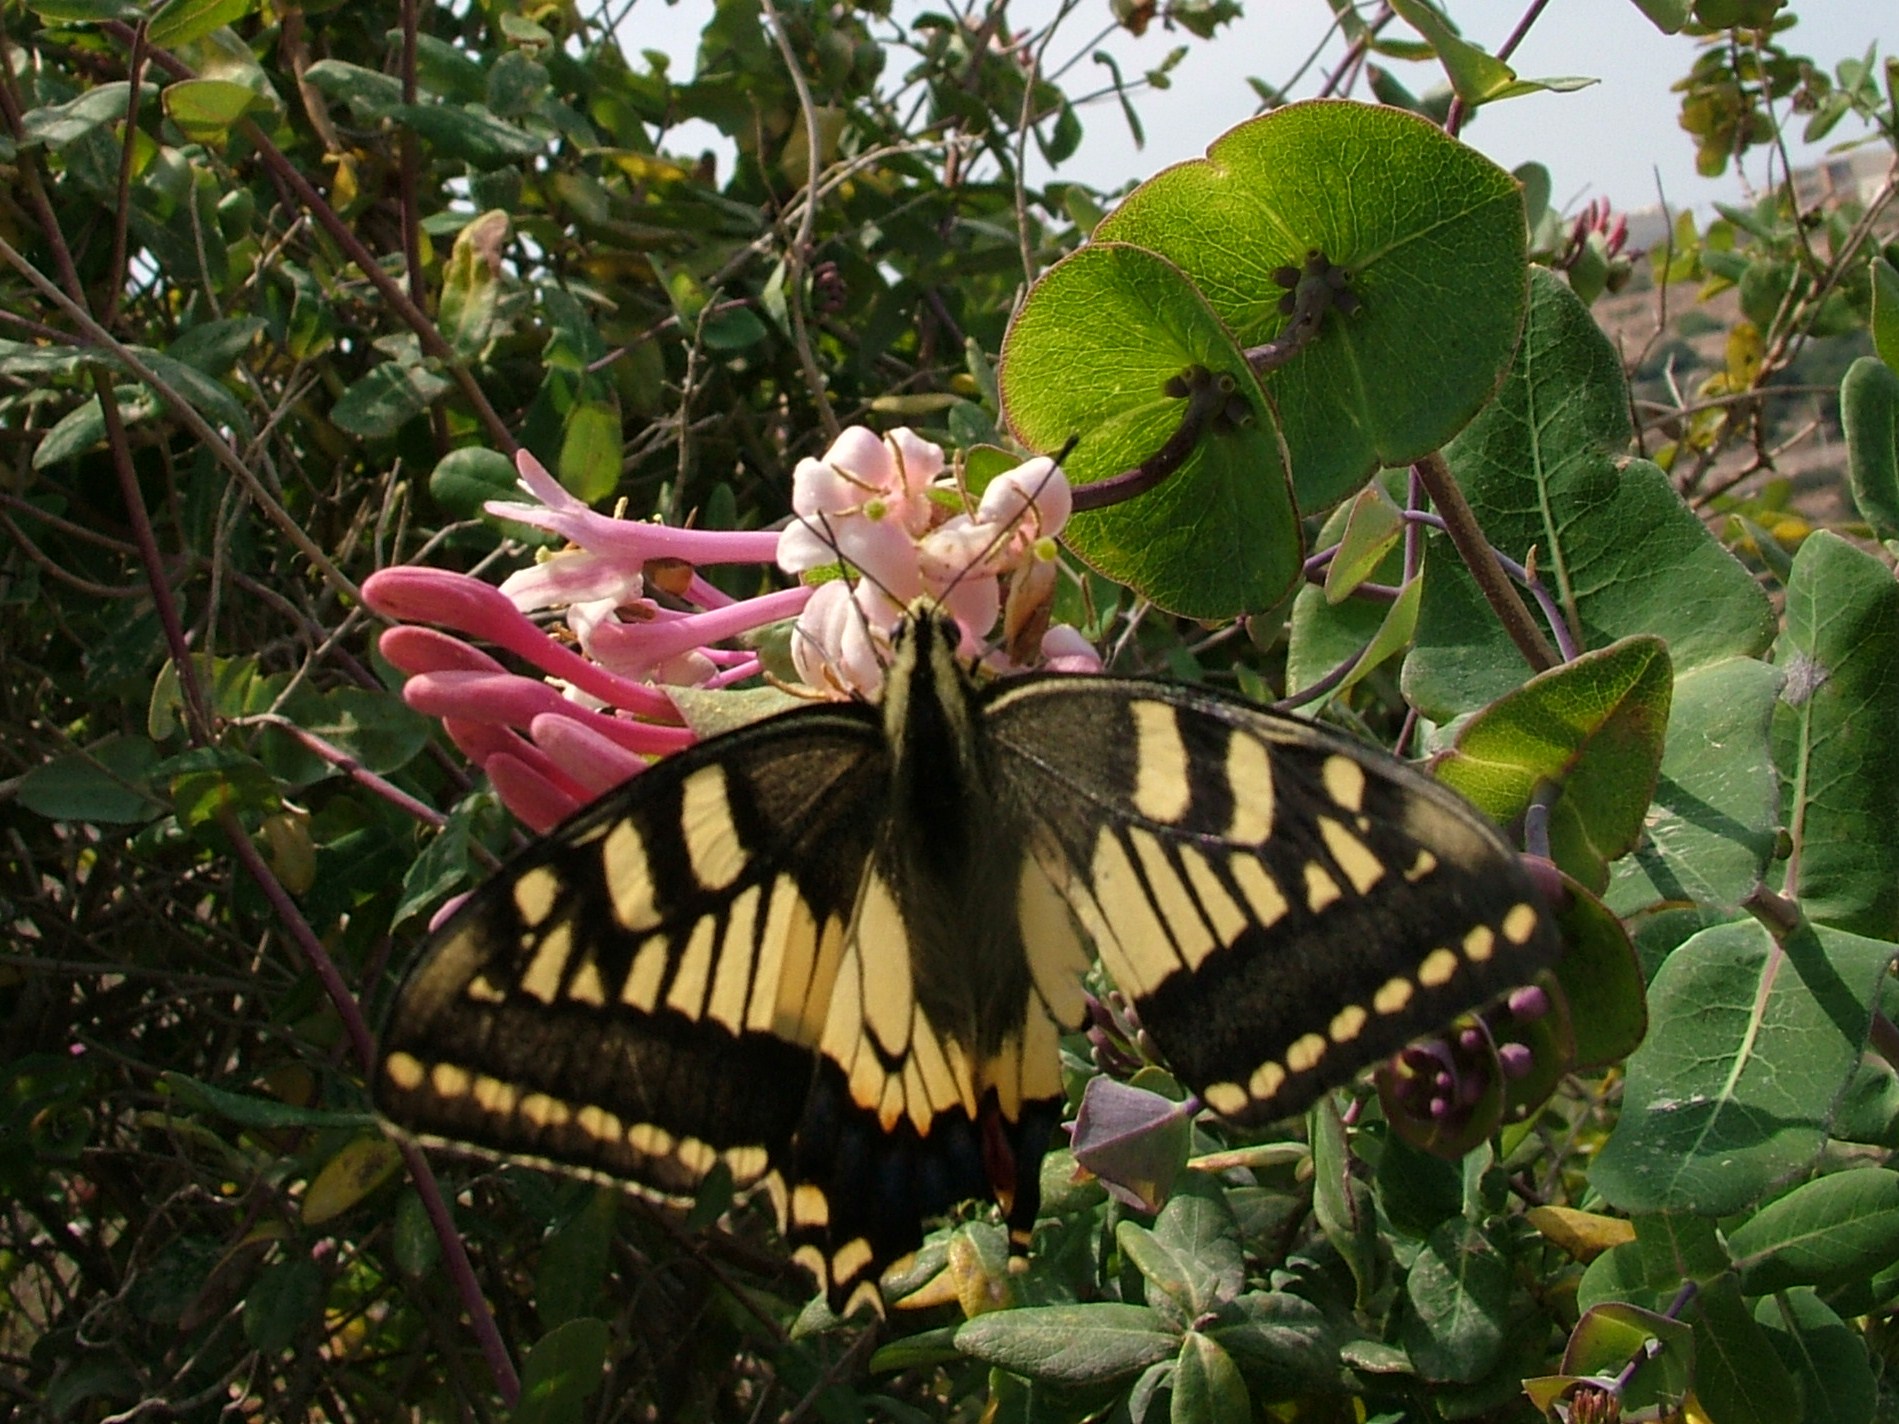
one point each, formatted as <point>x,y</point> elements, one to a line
<point>883,508</point>
<point>876,524</point>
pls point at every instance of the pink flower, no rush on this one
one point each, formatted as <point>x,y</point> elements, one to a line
<point>883,511</point>
<point>591,708</point>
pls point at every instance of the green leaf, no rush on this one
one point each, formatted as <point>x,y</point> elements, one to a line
<point>373,727</point>
<point>574,1260</point>
<point>1091,354</point>
<point>1826,1357</point>
<point>1373,528</point>
<point>1710,832</point>
<point>212,348</point>
<point>1833,735</point>
<point>417,1249</point>
<point>1738,1374</point>
<point>57,125</point>
<point>1614,544</point>
<point>468,132</point>
<point>1341,1200</point>
<point>442,867</point>
<point>85,12</point>
<point>1283,1343</point>
<point>464,480</point>
<point>1750,1045</point>
<point>444,68</point>
<point>471,283</point>
<point>371,95</point>
<point>181,22</point>
<point>1869,412</point>
<point>205,109</point>
<point>1648,1271</point>
<point>104,785</point>
<point>391,395</point>
<point>1432,234</point>
<point>1591,728</point>
<point>1885,315</point>
<point>590,448</point>
<point>283,1305</point>
<point>209,780</point>
<point>1207,1385</point>
<point>1825,1233</point>
<point>1475,75</point>
<point>1322,634</point>
<point>246,1110</point>
<point>562,1372</point>
<point>1070,1344</point>
<point>1601,979</point>
<point>1458,1299</point>
<point>1191,1258</point>
<point>352,1173</point>
<point>1668,16</point>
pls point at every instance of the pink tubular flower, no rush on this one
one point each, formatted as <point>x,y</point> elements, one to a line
<point>597,715</point>
<point>591,709</point>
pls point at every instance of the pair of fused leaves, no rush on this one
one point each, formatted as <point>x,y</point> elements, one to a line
<point>1181,275</point>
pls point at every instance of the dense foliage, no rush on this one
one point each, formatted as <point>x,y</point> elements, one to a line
<point>283,290</point>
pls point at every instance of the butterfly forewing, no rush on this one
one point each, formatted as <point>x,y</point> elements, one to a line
<point>1282,906</point>
<point>641,994</point>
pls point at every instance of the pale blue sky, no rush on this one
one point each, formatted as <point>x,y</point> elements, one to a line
<point>1618,137</point>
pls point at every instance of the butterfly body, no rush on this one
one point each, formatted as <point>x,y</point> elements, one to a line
<point>835,951</point>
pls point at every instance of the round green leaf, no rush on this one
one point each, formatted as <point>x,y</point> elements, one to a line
<point>205,109</point>
<point>1710,832</point>
<point>466,479</point>
<point>1433,234</point>
<point>1833,734</point>
<point>1090,357</point>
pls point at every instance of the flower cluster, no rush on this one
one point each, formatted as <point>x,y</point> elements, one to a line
<point>882,509</point>
<point>878,524</point>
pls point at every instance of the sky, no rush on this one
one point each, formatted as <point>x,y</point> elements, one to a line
<point>1618,138</point>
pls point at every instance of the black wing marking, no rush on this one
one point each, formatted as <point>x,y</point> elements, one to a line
<point>1282,905</point>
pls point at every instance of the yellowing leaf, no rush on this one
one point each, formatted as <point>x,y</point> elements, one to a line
<point>348,1177</point>
<point>1583,1235</point>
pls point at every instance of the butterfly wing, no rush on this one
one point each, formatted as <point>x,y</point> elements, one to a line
<point>1282,906</point>
<point>707,967</point>
<point>641,995</point>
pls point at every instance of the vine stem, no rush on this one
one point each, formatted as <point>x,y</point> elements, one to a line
<point>1206,394</point>
<point>363,1043</point>
<point>1460,523</point>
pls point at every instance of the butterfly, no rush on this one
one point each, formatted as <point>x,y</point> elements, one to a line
<point>833,952</point>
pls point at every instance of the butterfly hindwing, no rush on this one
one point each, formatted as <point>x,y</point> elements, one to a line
<point>1281,906</point>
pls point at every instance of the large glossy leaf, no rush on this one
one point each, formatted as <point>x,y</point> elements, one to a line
<point>1834,735</point>
<point>1750,1045</point>
<point>1613,543</point>
<point>1090,357</point>
<point>1432,233</point>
